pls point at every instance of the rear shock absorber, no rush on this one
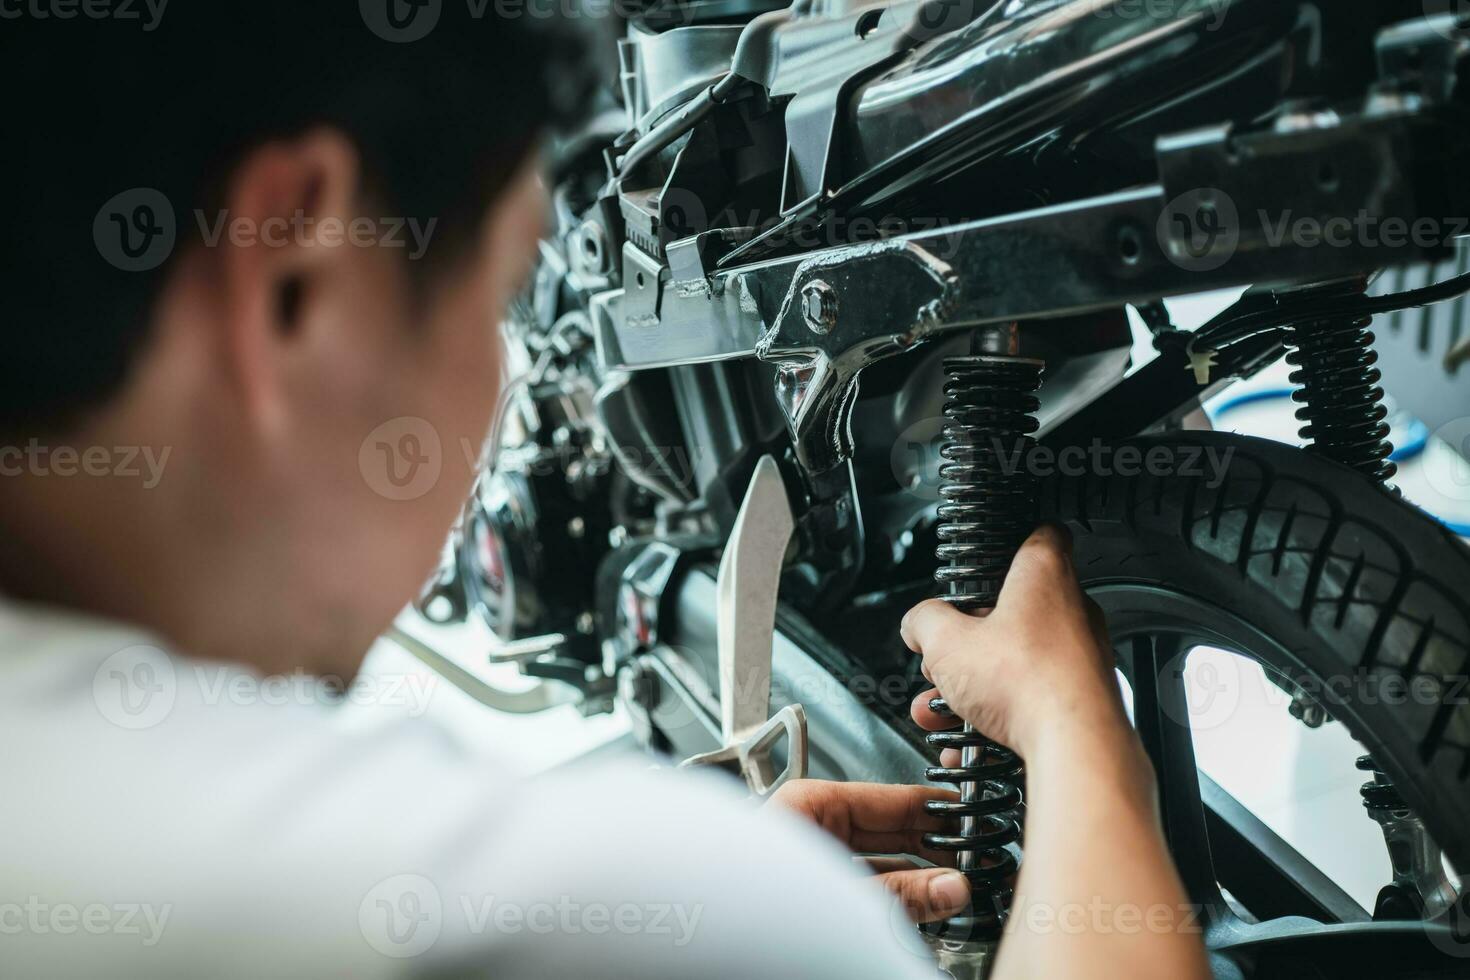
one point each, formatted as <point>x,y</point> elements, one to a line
<point>1345,420</point>
<point>1419,889</point>
<point>989,507</point>
<point>1341,402</point>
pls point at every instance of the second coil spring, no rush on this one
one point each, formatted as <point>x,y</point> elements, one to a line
<point>1341,402</point>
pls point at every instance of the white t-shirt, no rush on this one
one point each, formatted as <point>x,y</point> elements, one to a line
<point>152,829</point>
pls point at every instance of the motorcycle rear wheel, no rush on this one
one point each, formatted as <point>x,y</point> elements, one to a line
<point>1323,577</point>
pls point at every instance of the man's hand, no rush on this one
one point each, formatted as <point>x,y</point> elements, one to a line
<point>876,819</point>
<point>1039,660</point>
<point>1036,674</point>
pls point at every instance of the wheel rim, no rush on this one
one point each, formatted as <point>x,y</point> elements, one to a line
<point>1153,630</point>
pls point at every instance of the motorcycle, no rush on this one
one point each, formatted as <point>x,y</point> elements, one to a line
<point>838,293</point>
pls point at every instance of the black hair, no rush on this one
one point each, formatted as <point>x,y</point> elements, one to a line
<point>124,117</point>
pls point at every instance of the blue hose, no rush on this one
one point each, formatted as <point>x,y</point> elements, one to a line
<point>1414,438</point>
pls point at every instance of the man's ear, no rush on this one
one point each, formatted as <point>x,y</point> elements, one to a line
<point>272,252</point>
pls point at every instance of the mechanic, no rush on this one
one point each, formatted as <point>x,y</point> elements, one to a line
<point>226,836</point>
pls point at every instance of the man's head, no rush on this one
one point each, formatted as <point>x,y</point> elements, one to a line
<point>257,256</point>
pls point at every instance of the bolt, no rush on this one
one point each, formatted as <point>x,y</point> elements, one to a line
<point>819,306</point>
<point>593,248</point>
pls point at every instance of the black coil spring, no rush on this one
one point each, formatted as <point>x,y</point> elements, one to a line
<point>1379,793</point>
<point>989,495</point>
<point>990,506</point>
<point>1341,402</point>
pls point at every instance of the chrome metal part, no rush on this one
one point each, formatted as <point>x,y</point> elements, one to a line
<point>748,584</point>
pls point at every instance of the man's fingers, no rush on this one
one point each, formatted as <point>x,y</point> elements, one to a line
<point>928,894</point>
<point>929,719</point>
<point>927,622</point>
<point>858,812</point>
<point>1045,560</point>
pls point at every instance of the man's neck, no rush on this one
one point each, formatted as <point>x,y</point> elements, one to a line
<point>102,522</point>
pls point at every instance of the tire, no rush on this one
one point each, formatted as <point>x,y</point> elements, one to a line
<point>1340,579</point>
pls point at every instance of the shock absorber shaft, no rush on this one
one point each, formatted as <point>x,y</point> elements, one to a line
<point>989,507</point>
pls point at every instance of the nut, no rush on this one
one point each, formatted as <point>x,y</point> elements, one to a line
<point>819,306</point>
